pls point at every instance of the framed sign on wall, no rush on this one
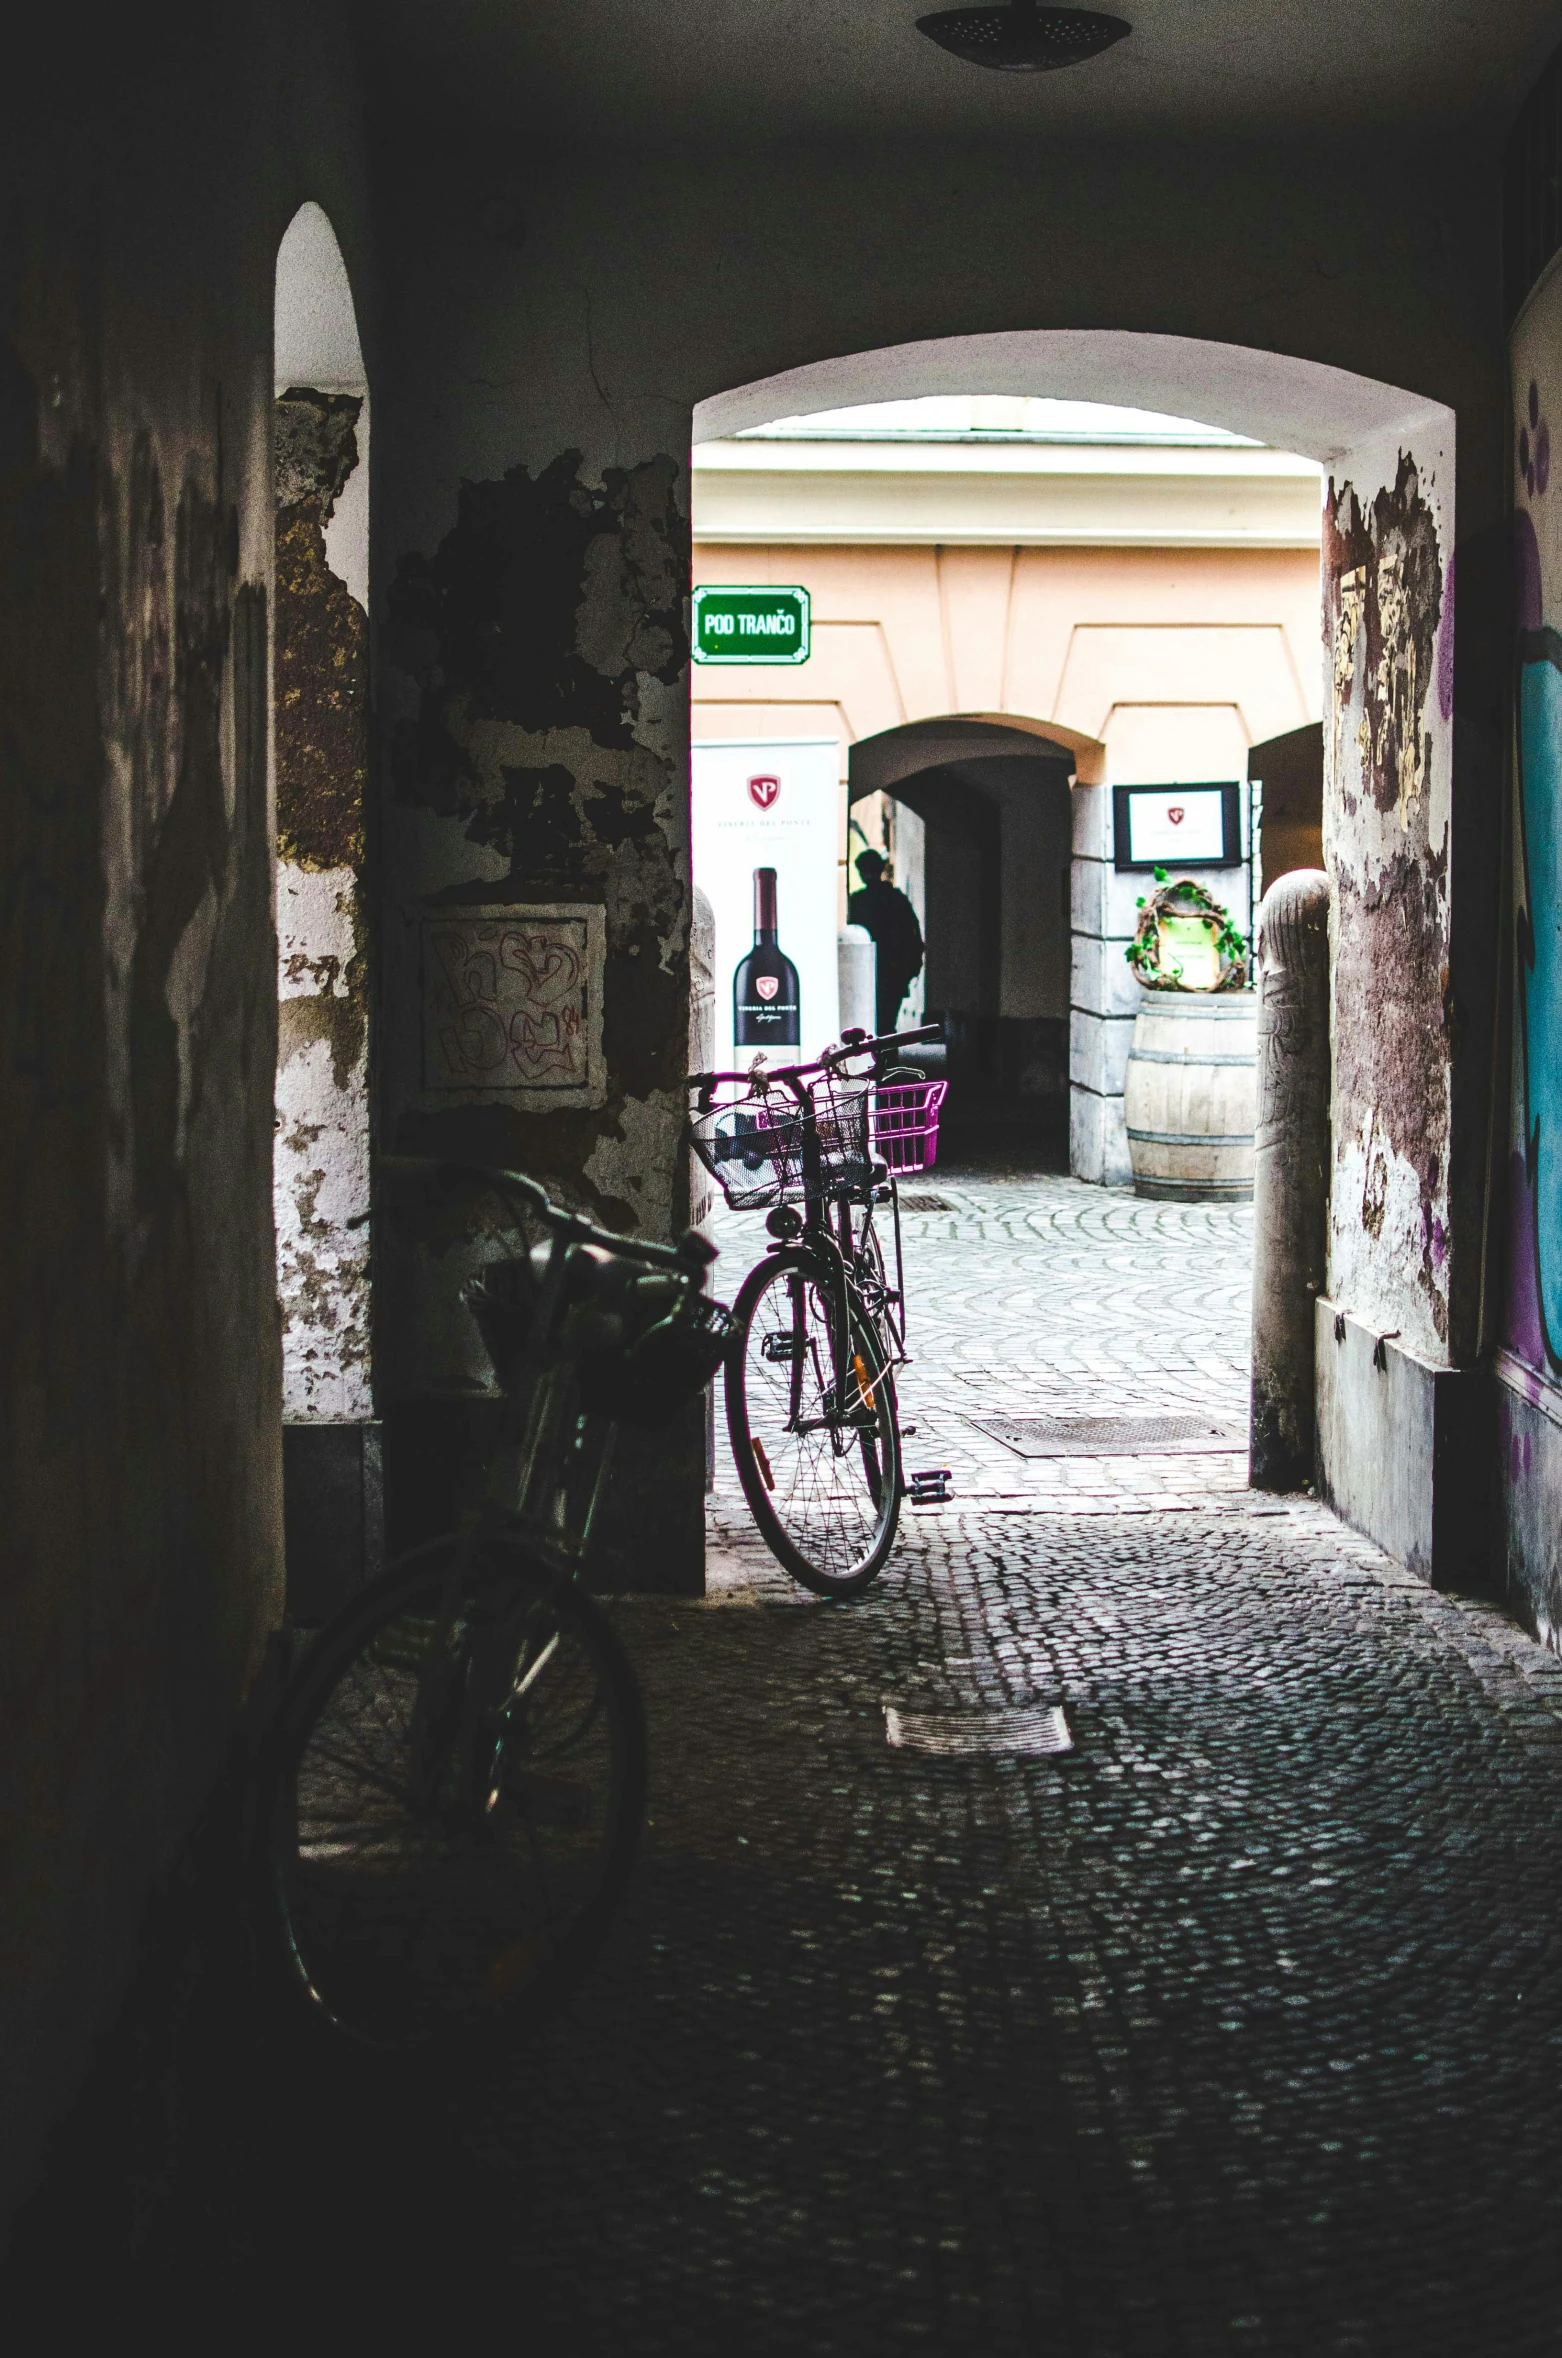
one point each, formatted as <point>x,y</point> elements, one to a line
<point>1177,826</point>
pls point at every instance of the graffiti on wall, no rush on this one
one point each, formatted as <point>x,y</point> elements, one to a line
<point>1534,1291</point>
<point>512,1003</point>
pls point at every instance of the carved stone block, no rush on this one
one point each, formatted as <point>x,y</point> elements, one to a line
<point>512,1005</point>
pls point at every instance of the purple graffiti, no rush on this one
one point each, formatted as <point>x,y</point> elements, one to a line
<point>1534,450</point>
<point>1526,574</point>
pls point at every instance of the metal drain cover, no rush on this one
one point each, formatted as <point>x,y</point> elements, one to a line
<point>924,1203</point>
<point>969,1735</point>
<point>1111,1436</point>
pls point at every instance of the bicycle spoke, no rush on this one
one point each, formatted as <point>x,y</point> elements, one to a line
<point>420,1891</point>
<point>818,1416</point>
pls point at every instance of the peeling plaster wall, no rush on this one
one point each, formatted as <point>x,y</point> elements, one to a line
<point>543,646</point>
<point>322,747</point>
<point>140,1382</point>
<point>534,661</point>
<point>1388,773</point>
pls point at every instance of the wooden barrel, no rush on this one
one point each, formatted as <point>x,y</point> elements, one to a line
<point>1192,1095</point>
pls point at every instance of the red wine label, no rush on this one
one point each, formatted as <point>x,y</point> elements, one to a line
<point>767,985</point>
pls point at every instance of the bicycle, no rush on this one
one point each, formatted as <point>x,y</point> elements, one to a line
<point>452,1792</point>
<point>811,1402</point>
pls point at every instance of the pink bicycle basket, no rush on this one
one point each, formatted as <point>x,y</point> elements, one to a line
<point>905,1123</point>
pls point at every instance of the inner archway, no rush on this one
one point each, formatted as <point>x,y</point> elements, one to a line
<point>976,817</point>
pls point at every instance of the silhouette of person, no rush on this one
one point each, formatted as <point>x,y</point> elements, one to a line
<point>887,914</point>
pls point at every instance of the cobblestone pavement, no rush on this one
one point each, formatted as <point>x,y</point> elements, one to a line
<point>1029,1295</point>
<point>1236,2028</point>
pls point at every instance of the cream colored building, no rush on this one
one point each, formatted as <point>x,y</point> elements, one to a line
<point>1016,605</point>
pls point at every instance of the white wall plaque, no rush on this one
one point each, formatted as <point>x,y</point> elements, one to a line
<point>512,1004</point>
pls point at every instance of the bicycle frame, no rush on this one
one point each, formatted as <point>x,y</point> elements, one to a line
<point>524,1498</point>
<point>826,1217</point>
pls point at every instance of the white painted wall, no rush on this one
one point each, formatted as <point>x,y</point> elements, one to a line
<point>321,1173</point>
<point>907,840</point>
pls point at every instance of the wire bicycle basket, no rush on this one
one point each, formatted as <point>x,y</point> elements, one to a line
<point>905,1123</point>
<point>756,1146</point>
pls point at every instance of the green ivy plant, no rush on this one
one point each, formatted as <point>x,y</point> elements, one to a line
<point>1184,899</point>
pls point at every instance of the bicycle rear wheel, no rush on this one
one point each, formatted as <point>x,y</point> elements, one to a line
<point>451,1801</point>
<point>815,1432</point>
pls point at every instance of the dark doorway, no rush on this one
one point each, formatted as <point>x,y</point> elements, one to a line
<point>997,924</point>
<point>1287,780</point>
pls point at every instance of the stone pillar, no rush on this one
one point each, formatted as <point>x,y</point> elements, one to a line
<point>1291,1174</point>
<point>330,1441</point>
<point>534,895</point>
<point>1103,994</point>
<point>702,1037</point>
<point>702,1059</point>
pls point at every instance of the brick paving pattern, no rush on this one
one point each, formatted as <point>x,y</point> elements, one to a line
<point>1236,2028</point>
<point>1040,1295</point>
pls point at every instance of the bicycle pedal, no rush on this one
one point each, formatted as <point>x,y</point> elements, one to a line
<point>931,1486</point>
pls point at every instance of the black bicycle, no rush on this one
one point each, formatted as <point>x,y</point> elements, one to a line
<point>810,1384</point>
<point>452,1794</point>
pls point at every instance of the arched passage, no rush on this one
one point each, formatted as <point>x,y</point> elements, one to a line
<point>1387,698</point>
<point>321,1182</point>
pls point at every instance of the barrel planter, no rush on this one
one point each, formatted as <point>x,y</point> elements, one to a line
<point>1192,1095</point>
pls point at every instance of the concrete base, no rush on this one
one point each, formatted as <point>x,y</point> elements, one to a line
<point>333,1515</point>
<point>650,1539</point>
<point>1189,1191</point>
<point>1529,1475</point>
<point>1403,1451</point>
<point>1097,1139</point>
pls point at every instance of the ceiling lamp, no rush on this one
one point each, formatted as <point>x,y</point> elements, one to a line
<point>1023,38</point>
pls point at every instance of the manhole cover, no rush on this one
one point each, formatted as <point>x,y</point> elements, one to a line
<point>1111,1436</point>
<point>924,1203</point>
<point>965,1735</point>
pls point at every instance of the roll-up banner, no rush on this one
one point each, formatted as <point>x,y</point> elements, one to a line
<point>766,819</point>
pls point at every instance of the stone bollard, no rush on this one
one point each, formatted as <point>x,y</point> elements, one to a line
<point>858,966</point>
<point>1290,1175</point>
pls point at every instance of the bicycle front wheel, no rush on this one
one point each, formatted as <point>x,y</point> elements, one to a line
<point>815,1432</point>
<point>451,1801</point>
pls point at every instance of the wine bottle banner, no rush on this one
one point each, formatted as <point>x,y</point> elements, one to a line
<point>766,1000</point>
<point>766,824</point>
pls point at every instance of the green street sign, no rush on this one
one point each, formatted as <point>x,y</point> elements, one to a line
<point>750,625</point>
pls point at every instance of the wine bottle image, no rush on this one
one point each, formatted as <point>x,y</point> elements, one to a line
<point>766,1010</point>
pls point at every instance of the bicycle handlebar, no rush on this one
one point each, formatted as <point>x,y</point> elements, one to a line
<point>690,1254</point>
<point>844,1054</point>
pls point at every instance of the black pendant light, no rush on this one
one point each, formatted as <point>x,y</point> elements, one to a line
<point>1023,38</point>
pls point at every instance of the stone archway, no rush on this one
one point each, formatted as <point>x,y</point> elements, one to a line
<point>1387,627</point>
